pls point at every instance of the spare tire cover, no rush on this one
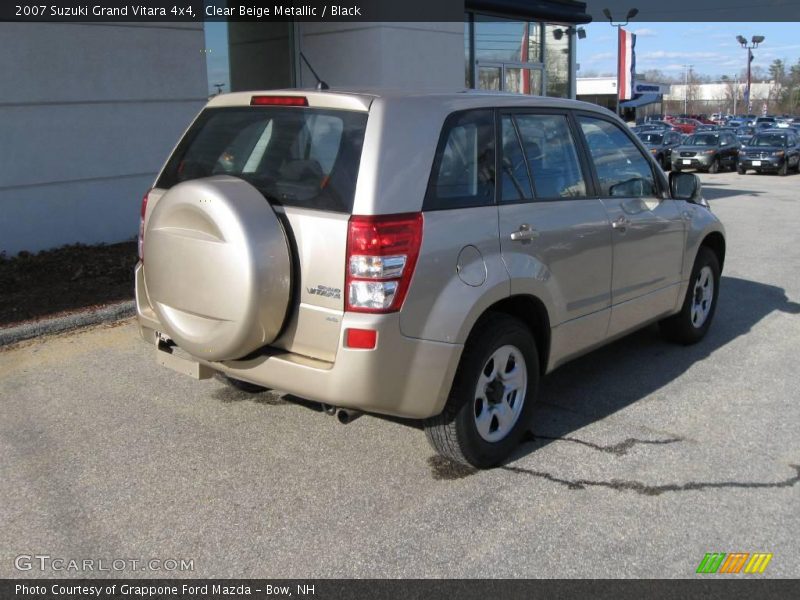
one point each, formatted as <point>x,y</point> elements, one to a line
<point>217,267</point>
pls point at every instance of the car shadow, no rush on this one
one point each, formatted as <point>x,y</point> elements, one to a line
<point>611,378</point>
<point>721,191</point>
<point>603,382</point>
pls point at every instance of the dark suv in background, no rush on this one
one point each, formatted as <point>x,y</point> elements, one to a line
<point>707,151</point>
<point>660,144</point>
<point>772,150</point>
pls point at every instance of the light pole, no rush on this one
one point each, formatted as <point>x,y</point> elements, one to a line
<point>686,70</point>
<point>755,41</point>
<point>574,34</point>
<point>631,13</point>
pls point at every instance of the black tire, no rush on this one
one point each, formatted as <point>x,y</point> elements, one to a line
<point>783,171</point>
<point>680,328</point>
<point>714,168</point>
<point>665,163</point>
<point>454,433</point>
<point>677,169</point>
<point>244,386</point>
<point>740,169</point>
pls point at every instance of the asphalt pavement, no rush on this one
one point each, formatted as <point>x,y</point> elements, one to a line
<point>644,455</point>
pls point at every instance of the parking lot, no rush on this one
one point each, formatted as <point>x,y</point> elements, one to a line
<point>644,456</point>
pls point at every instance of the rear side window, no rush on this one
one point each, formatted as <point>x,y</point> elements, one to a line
<point>463,170</point>
<point>293,156</point>
<point>515,181</point>
<point>622,170</point>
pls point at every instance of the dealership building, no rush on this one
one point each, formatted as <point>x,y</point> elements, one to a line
<point>90,111</point>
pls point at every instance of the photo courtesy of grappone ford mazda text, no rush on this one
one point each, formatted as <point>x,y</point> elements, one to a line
<point>422,255</point>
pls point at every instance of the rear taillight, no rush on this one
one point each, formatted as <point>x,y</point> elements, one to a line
<point>381,256</point>
<point>141,226</point>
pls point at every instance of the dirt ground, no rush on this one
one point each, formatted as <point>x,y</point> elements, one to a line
<point>35,286</point>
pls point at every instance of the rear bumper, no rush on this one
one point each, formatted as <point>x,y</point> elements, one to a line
<point>402,376</point>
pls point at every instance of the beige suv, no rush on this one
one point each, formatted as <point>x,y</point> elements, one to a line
<point>428,256</point>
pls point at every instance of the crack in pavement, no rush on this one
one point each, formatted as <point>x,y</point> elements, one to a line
<point>619,449</point>
<point>656,490</point>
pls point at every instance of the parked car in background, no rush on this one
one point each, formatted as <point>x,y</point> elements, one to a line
<point>685,125</point>
<point>653,126</point>
<point>660,144</point>
<point>770,121</point>
<point>705,127</point>
<point>304,241</point>
<point>744,133</point>
<point>774,150</point>
<point>707,151</point>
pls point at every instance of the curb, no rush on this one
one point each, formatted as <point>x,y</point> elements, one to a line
<point>67,322</point>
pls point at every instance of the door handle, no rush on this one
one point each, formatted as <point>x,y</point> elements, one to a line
<point>524,233</point>
<point>620,223</point>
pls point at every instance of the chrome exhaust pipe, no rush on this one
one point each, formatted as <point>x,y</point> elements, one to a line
<point>347,416</point>
<point>328,409</point>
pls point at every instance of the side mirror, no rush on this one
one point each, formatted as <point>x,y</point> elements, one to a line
<point>685,186</point>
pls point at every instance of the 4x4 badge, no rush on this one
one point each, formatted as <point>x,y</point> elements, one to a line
<point>324,290</point>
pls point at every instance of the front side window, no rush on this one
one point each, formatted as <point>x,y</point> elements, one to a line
<point>621,168</point>
<point>463,170</point>
<point>552,157</point>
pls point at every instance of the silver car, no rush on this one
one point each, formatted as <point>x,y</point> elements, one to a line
<point>428,256</point>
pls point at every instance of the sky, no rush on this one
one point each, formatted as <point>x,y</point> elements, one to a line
<point>711,48</point>
<point>217,57</point>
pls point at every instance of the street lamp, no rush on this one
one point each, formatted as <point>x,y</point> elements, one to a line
<point>755,41</point>
<point>631,13</point>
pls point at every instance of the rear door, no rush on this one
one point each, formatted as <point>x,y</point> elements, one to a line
<point>647,230</point>
<point>304,161</point>
<point>554,236</point>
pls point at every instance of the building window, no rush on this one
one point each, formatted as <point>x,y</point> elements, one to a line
<point>506,40</point>
<point>518,56</point>
<point>556,64</point>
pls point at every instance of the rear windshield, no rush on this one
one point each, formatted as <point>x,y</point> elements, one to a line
<point>293,156</point>
<point>651,138</point>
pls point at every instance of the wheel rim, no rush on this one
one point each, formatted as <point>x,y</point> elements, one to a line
<point>703,297</point>
<point>500,393</point>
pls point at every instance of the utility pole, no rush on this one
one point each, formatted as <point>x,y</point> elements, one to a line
<point>686,71</point>
<point>735,92</point>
